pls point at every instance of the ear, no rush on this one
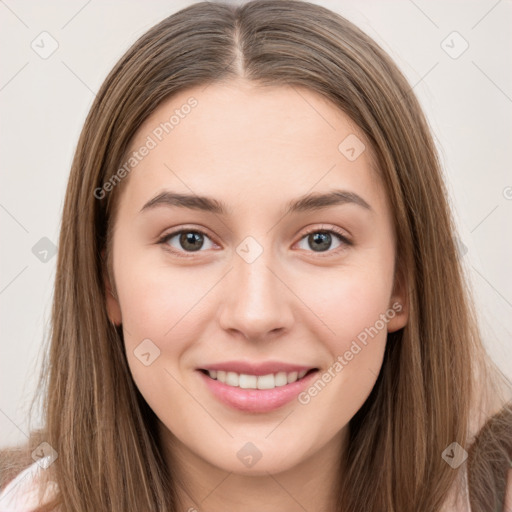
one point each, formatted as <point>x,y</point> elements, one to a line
<point>113,308</point>
<point>399,303</point>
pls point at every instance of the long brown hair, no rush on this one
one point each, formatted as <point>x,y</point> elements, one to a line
<point>435,376</point>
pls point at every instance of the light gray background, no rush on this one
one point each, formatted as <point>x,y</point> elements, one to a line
<point>43,103</point>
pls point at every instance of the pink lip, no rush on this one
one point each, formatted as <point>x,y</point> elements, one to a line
<point>257,368</point>
<point>256,400</point>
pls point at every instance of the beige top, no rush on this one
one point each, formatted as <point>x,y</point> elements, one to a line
<point>21,493</point>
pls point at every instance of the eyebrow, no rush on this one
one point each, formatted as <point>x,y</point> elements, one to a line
<point>308,202</point>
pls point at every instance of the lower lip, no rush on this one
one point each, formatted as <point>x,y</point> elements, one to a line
<point>256,400</point>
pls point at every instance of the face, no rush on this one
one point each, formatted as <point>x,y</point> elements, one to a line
<point>251,287</point>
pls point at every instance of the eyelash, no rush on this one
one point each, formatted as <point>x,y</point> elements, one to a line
<point>332,229</point>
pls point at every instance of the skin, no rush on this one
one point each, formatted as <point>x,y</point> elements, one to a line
<point>254,149</point>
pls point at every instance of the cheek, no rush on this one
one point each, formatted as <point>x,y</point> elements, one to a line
<point>350,302</point>
<point>158,328</point>
<point>154,297</point>
<point>355,341</point>
<point>159,315</point>
<point>353,306</point>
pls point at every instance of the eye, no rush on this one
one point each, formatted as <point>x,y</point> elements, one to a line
<point>321,239</point>
<point>192,240</point>
<point>189,240</point>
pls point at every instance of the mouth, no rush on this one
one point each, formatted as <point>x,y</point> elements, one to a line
<point>250,381</point>
<point>259,390</point>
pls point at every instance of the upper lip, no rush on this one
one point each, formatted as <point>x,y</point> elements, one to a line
<point>252,368</point>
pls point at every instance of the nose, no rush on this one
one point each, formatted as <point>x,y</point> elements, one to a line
<point>258,302</point>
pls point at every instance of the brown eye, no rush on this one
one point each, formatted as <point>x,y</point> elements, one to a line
<point>187,240</point>
<point>321,240</point>
<point>191,240</point>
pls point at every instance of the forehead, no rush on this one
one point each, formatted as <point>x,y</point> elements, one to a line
<point>241,140</point>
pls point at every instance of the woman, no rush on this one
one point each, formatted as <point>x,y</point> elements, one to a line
<point>258,298</point>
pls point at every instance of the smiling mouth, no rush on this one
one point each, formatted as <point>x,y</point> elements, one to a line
<point>247,381</point>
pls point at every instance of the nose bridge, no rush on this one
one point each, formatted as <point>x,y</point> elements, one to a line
<point>252,270</point>
<point>257,302</point>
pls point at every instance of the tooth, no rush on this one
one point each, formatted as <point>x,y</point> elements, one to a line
<point>232,379</point>
<point>281,379</point>
<point>292,377</point>
<point>248,381</point>
<point>266,381</point>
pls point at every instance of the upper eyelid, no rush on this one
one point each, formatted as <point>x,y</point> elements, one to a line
<point>331,228</point>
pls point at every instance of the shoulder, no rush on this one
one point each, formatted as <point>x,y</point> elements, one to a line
<point>490,462</point>
<point>507,506</point>
<point>21,493</point>
<point>484,480</point>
